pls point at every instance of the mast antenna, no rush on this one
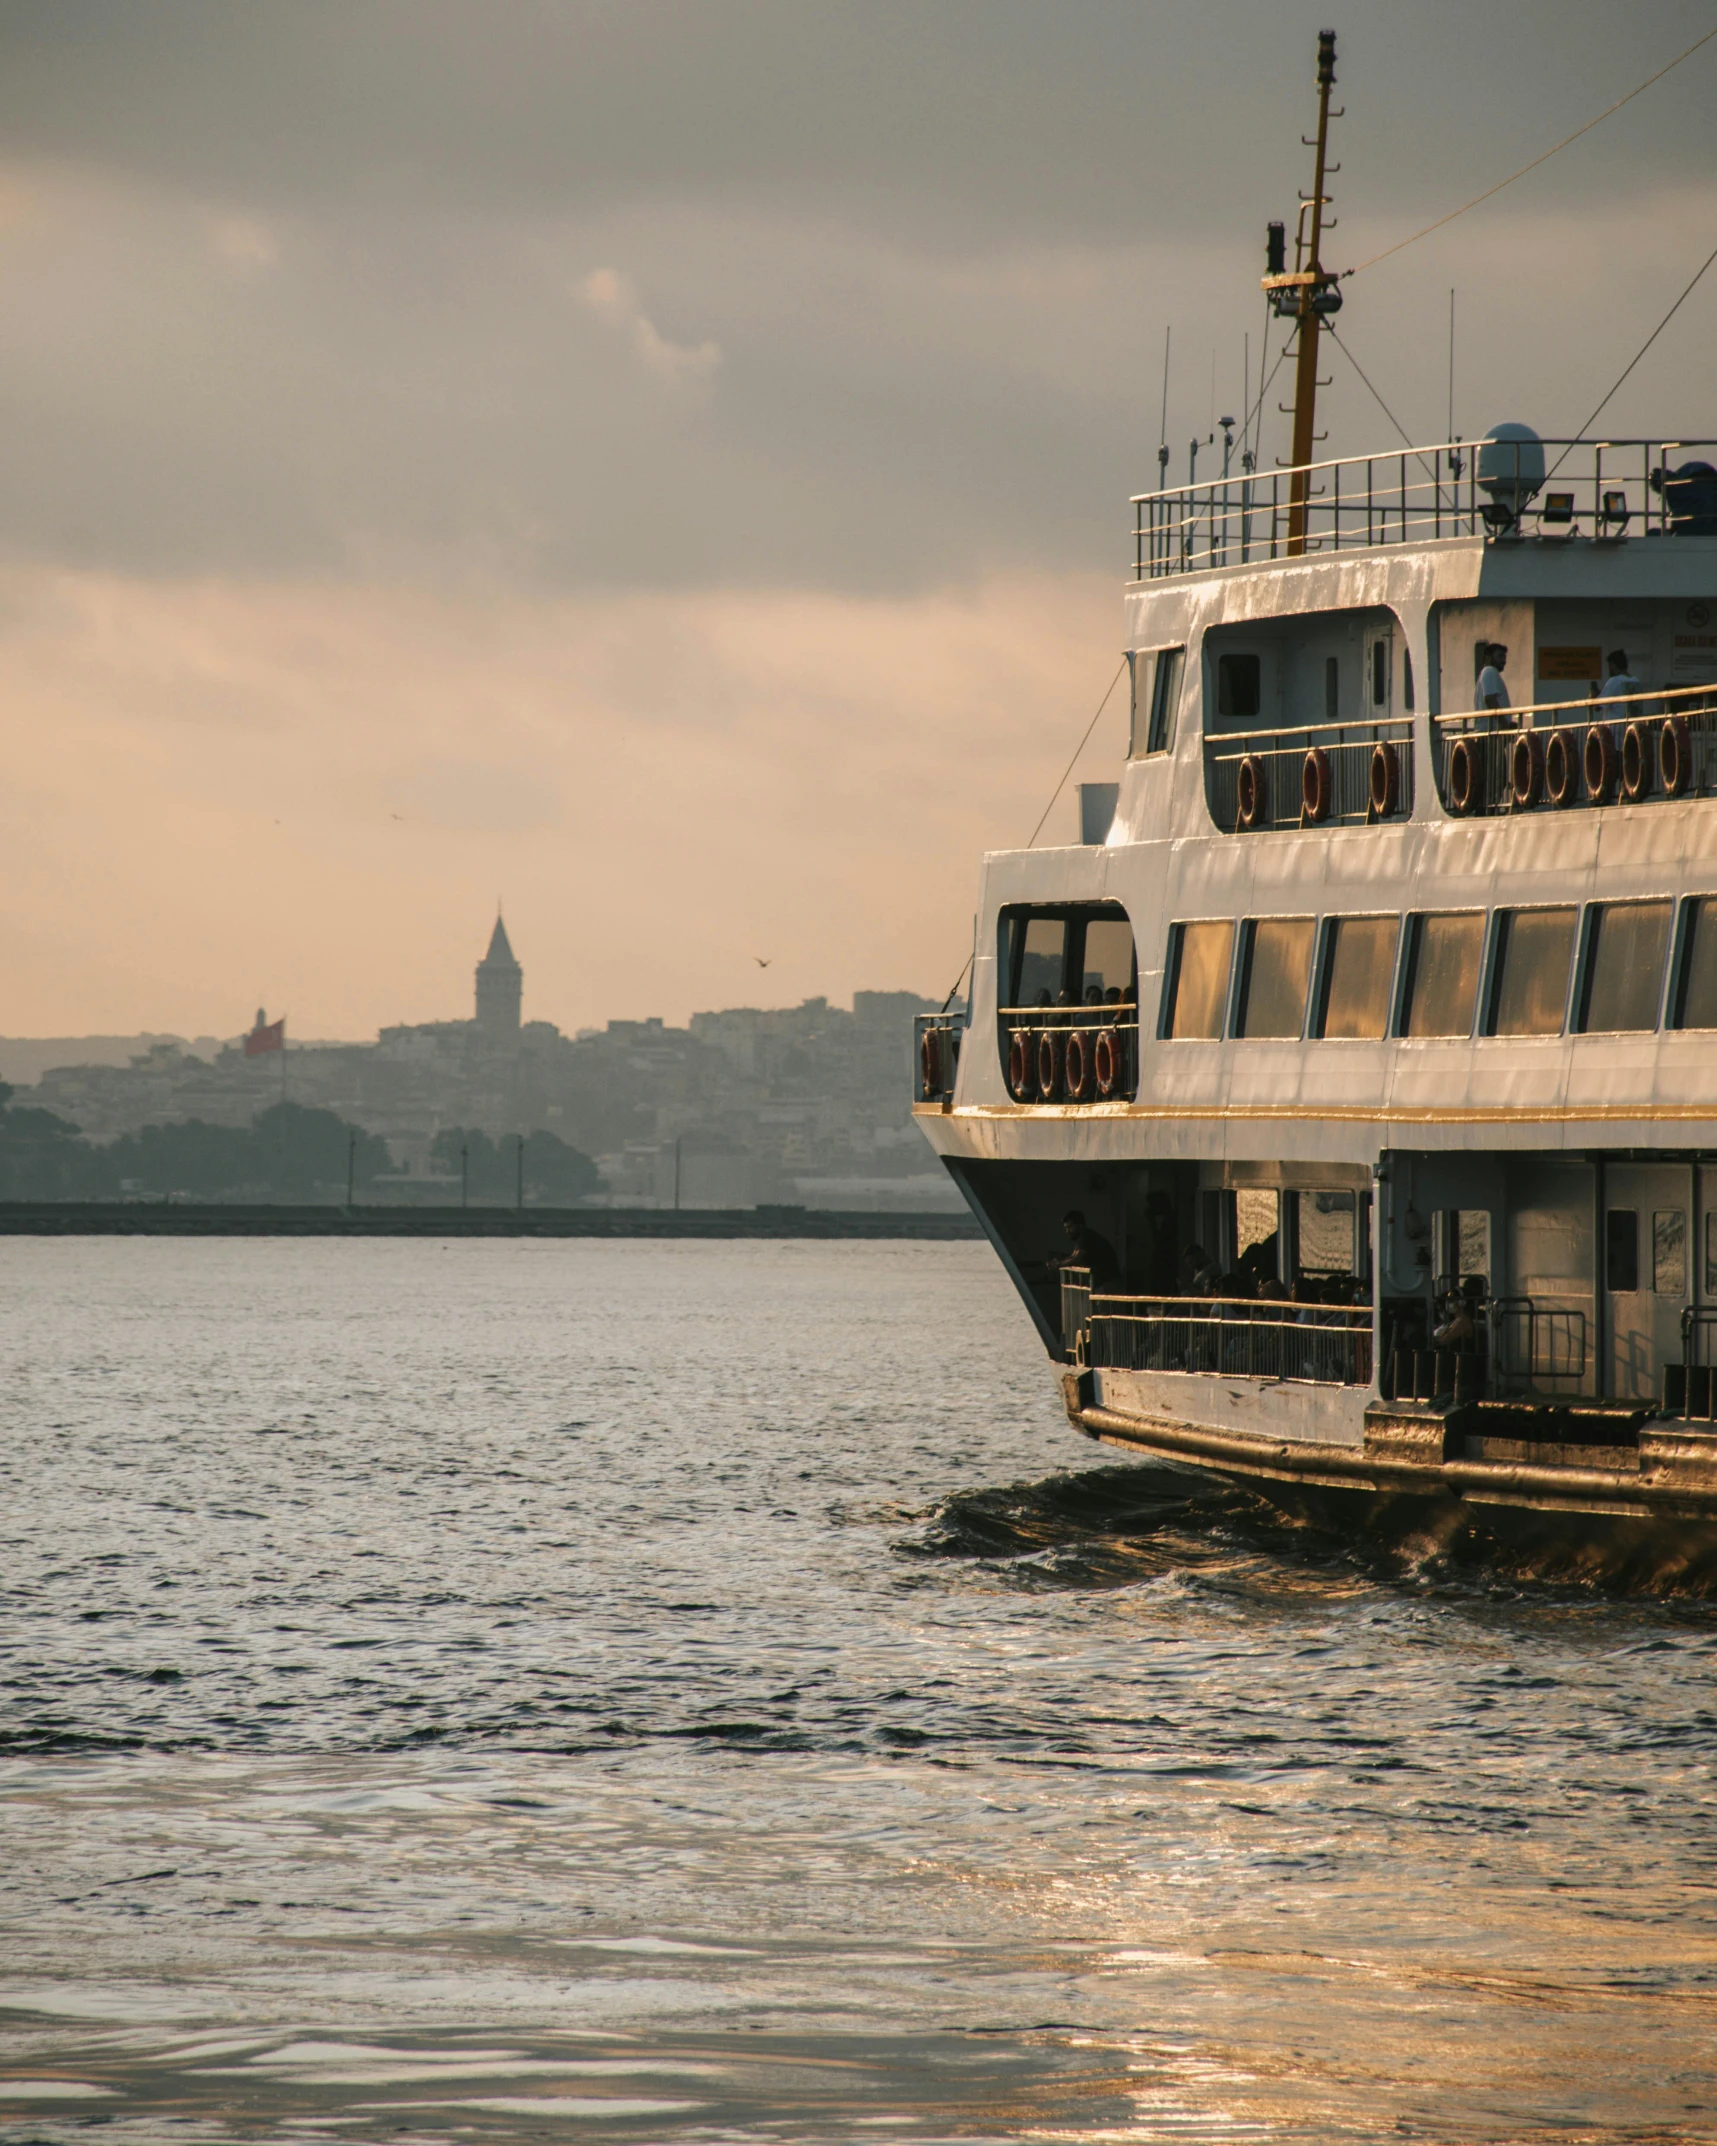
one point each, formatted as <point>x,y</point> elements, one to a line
<point>1308,296</point>
<point>1163,434</point>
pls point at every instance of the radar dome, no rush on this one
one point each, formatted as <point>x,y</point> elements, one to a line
<point>1510,465</point>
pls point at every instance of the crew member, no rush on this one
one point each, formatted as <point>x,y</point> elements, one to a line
<point>1492,688</point>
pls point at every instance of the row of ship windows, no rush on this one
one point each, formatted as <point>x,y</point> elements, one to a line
<point>1614,968</point>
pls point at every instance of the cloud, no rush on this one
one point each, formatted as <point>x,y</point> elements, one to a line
<point>613,298</point>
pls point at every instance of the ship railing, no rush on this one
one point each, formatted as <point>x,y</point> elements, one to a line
<point>1043,1064</point>
<point>1554,755</point>
<point>936,1040</point>
<point>1535,1345</point>
<point>1337,774</point>
<point>1607,491</point>
<point>1690,1387</point>
<point>1075,1310</point>
<point>1230,1337</point>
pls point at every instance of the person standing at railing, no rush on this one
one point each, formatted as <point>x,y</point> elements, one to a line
<point>1621,680</point>
<point>1091,1250</point>
<point>1491,691</point>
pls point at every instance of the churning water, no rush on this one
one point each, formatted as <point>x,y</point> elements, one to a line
<point>656,1691</point>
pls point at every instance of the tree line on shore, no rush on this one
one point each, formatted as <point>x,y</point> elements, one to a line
<point>288,1152</point>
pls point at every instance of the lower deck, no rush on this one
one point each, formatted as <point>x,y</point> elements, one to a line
<point>1512,1313</point>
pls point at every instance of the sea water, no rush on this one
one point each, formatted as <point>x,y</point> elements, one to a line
<point>689,1691</point>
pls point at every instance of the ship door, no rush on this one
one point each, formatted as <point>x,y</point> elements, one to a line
<point>1646,1251</point>
<point>1378,684</point>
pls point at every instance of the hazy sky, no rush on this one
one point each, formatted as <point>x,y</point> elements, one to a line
<point>666,465</point>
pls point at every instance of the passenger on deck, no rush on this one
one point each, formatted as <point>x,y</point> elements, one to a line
<point>1491,690</point>
<point>1198,1277</point>
<point>1456,1328</point>
<point>1091,1249</point>
<point>1621,680</point>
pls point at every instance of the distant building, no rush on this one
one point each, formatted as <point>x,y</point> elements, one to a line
<point>500,991</point>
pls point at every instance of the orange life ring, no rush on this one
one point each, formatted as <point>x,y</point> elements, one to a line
<point>1385,779</point>
<point>1675,756</point>
<point>1526,769</point>
<point>1466,777</point>
<point>930,1066</point>
<point>1108,1061</point>
<point>1315,785</point>
<point>1019,1066</point>
<point>1048,1064</point>
<point>1076,1066</point>
<point>1560,774</point>
<point>1599,763</point>
<point>1637,757</point>
<point>1251,791</point>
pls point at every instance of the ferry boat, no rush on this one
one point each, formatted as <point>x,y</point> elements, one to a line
<point>1343,1105</point>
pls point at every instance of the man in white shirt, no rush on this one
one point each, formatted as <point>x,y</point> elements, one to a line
<point>1492,689</point>
<point>1621,679</point>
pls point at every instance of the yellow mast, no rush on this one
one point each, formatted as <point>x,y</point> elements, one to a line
<point>1306,297</point>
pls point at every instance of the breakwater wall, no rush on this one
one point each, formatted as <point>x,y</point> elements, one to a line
<point>160,1218</point>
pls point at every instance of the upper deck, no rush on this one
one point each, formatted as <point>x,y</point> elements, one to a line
<point>1506,490</point>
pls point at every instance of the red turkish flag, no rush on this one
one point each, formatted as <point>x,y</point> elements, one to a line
<point>265,1037</point>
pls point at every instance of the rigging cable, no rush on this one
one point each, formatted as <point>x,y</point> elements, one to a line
<point>1400,244</point>
<point>1329,330</point>
<point>1640,352</point>
<point>1053,795</point>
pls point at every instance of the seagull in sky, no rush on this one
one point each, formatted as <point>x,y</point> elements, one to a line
<point>761,963</point>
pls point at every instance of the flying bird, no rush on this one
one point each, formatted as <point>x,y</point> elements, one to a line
<point>761,963</point>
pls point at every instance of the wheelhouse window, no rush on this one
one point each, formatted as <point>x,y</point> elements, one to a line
<point>1445,951</point>
<point>1627,944</point>
<point>1278,968</point>
<point>1358,975</point>
<point>1529,988</point>
<point>1156,696</point>
<point>1196,987</point>
<point>1696,990</point>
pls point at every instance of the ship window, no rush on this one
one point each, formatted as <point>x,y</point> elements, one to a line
<point>1040,960</point>
<point>1624,966</point>
<point>1407,679</point>
<point>1327,1244</point>
<point>1697,1007</point>
<point>1198,980</point>
<point>1443,975</point>
<point>1278,969</point>
<point>1108,958</point>
<point>1156,695</point>
<point>1669,1252</point>
<point>1380,673</point>
<point>1621,1248</point>
<point>1332,688</point>
<point>1535,950</point>
<point>1239,684</point>
<point>1359,968</point>
<point>1711,1255</point>
<point>1165,698</point>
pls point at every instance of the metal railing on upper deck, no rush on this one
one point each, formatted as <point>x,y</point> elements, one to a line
<point>1310,774</point>
<point>1568,754</point>
<point>1552,491</point>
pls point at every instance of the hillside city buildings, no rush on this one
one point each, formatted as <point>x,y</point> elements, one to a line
<point>807,1104</point>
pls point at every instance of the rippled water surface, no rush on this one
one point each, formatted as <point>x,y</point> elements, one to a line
<point>706,1692</point>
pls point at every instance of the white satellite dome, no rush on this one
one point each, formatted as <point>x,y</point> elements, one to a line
<point>1510,465</point>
